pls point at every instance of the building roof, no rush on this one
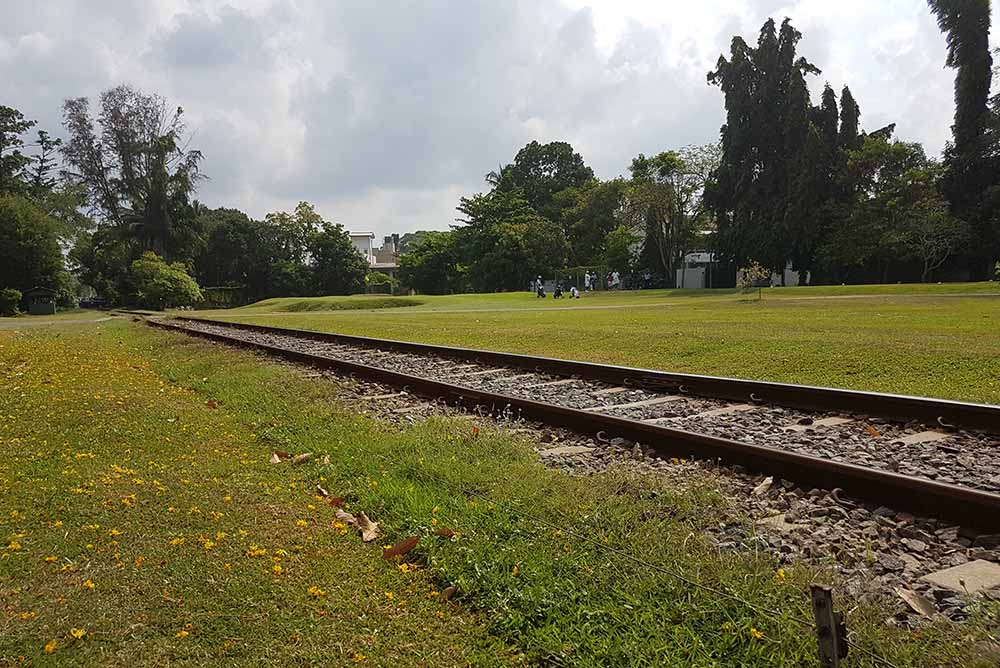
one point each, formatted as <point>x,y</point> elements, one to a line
<point>40,292</point>
<point>370,235</point>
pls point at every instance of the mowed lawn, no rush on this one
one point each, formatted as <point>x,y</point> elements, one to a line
<point>143,525</point>
<point>931,340</point>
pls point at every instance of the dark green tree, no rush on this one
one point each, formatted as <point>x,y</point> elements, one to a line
<point>337,268</point>
<point>160,284</point>
<point>12,159</point>
<point>539,171</point>
<point>505,242</point>
<point>433,265</point>
<point>850,119</point>
<point>41,178</point>
<point>30,255</point>
<point>589,213</point>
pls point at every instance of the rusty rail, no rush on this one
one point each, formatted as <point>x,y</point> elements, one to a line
<point>961,505</point>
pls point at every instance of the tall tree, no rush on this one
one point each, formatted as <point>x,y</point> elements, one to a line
<point>12,160</point>
<point>29,246</point>
<point>850,119</point>
<point>432,266</point>
<point>539,171</point>
<point>337,268</point>
<point>40,173</point>
<point>137,171</point>
<point>589,214</point>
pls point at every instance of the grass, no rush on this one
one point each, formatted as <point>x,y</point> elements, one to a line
<point>138,460</point>
<point>932,340</point>
<point>354,302</point>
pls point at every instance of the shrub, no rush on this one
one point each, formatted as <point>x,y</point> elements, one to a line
<point>161,285</point>
<point>9,299</point>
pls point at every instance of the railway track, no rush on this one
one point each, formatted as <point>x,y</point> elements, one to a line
<point>931,457</point>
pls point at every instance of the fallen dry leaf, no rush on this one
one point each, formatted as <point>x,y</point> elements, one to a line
<point>346,517</point>
<point>916,601</point>
<point>765,484</point>
<point>301,459</point>
<point>369,529</point>
<point>336,501</point>
<point>326,460</point>
<point>401,548</point>
<point>282,454</point>
<point>449,592</point>
<point>872,431</point>
<point>212,403</point>
<point>321,491</point>
<point>275,459</point>
<point>444,532</point>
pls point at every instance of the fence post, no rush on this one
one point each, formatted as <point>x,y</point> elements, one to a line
<point>831,632</point>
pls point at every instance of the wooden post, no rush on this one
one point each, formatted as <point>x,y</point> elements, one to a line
<point>831,633</point>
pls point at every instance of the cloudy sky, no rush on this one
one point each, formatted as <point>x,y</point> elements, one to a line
<point>384,113</point>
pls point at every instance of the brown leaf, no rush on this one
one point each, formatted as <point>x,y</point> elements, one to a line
<point>369,529</point>
<point>336,501</point>
<point>301,459</point>
<point>872,431</point>
<point>917,602</point>
<point>444,532</point>
<point>212,403</point>
<point>282,454</point>
<point>321,491</point>
<point>346,517</point>
<point>475,431</point>
<point>449,592</point>
<point>275,459</point>
<point>401,548</point>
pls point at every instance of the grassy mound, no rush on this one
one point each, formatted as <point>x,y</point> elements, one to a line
<point>353,302</point>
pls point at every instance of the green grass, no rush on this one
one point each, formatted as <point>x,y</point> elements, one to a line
<point>120,441</point>
<point>932,340</point>
<point>353,302</point>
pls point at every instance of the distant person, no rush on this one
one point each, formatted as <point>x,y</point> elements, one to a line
<point>616,279</point>
<point>586,281</point>
<point>539,288</point>
<point>608,281</point>
<point>573,292</point>
<point>557,291</point>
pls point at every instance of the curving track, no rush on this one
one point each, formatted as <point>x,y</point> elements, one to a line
<point>933,457</point>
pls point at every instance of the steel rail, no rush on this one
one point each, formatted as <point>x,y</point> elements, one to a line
<point>943,412</point>
<point>965,506</point>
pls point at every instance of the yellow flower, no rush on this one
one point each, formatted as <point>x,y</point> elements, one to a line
<point>301,523</point>
<point>77,633</point>
<point>14,545</point>
<point>255,551</point>
<point>88,583</point>
<point>182,634</point>
<point>51,559</point>
<point>780,574</point>
<point>67,568</point>
<point>755,634</point>
<point>515,571</point>
<point>358,657</point>
<point>177,541</point>
<point>277,569</point>
<point>316,591</point>
<point>404,567</point>
<point>28,616</point>
<point>114,532</point>
<point>50,646</point>
<point>389,595</point>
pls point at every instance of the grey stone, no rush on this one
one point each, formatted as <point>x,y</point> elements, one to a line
<point>972,576</point>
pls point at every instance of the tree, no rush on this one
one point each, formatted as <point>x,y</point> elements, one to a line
<point>589,214</point>
<point>972,180</point>
<point>9,301</point>
<point>540,171</point>
<point>618,249</point>
<point>767,122</point>
<point>850,115</point>
<point>231,256</point>
<point>505,243</point>
<point>160,285</point>
<point>931,234</point>
<point>12,160</point>
<point>663,202</point>
<point>433,265</point>
<point>29,247</point>
<point>136,171</point>
<point>337,268</point>
<point>40,179</point>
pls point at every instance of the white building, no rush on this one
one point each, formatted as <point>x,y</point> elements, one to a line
<point>364,243</point>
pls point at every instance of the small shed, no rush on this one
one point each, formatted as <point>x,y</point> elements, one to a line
<point>41,301</point>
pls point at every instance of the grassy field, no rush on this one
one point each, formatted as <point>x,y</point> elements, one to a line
<point>932,340</point>
<point>143,525</point>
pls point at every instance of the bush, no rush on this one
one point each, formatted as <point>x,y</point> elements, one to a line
<point>9,299</point>
<point>161,285</point>
<point>378,281</point>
